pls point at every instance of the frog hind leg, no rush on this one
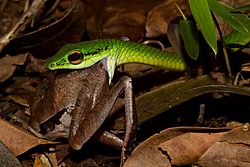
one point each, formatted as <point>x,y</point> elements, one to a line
<point>94,119</point>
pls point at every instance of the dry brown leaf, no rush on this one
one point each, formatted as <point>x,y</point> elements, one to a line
<point>183,146</point>
<point>148,153</point>
<point>116,19</point>
<point>45,161</point>
<point>18,140</point>
<point>159,17</point>
<point>232,150</point>
<point>38,161</point>
<point>240,135</point>
<point>188,148</point>
<point>36,65</point>
<point>8,65</point>
<point>63,25</point>
<point>52,157</point>
<point>224,154</point>
<point>19,100</point>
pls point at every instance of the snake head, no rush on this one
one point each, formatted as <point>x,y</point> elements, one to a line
<point>78,55</point>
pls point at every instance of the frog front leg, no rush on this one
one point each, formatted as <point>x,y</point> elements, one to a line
<point>82,108</point>
<point>94,119</point>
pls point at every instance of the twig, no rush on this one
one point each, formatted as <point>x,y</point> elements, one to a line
<point>51,10</point>
<point>34,10</point>
<point>26,6</point>
<point>155,42</point>
<point>223,47</point>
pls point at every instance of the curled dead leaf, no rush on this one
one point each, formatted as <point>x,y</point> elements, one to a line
<point>19,100</point>
<point>164,148</point>
<point>159,17</point>
<point>8,65</point>
<point>226,154</point>
<point>187,148</point>
<point>45,41</point>
<point>238,135</point>
<point>208,147</point>
<point>18,140</point>
<point>41,160</point>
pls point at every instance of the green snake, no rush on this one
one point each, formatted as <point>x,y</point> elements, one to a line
<point>112,53</point>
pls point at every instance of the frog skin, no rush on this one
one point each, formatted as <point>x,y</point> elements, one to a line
<point>89,99</point>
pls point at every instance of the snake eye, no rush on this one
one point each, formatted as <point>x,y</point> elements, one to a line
<point>75,57</point>
<point>52,66</point>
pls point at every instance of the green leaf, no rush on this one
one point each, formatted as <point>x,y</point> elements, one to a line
<point>242,8</point>
<point>238,21</point>
<point>236,38</point>
<point>168,96</point>
<point>243,20</point>
<point>203,18</point>
<point>190,38</point>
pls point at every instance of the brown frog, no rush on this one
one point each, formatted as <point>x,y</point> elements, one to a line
<point>86,99</point>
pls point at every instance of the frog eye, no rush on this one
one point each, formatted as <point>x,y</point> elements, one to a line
<point>75,57</point>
